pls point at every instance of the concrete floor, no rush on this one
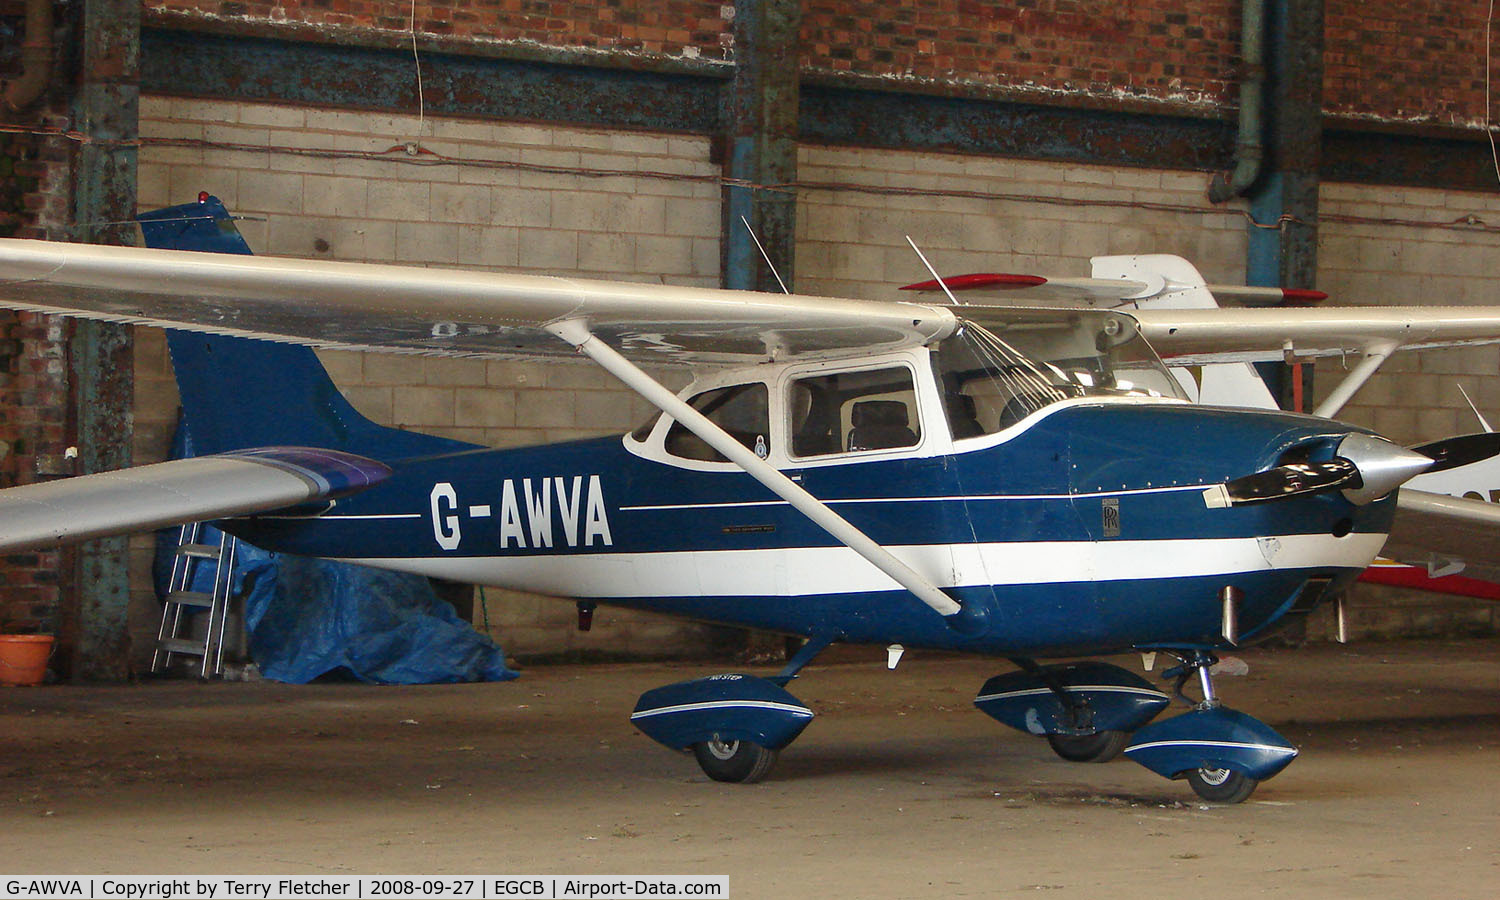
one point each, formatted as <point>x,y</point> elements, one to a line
<point>899,789</point>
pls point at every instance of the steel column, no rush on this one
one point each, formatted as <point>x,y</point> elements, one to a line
<point>762,144</point>
<point>102,354</point>
<point>1288,256</point>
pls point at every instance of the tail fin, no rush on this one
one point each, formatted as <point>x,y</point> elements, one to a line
<point>239,392</point>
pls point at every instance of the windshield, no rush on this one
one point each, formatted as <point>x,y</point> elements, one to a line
<point>993,379</point>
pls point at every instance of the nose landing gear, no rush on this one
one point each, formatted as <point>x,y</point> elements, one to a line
<point>1221,753</point>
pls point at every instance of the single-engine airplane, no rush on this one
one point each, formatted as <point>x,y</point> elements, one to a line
<point>1022,483</point>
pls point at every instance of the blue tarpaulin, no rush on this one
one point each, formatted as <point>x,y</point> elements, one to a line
<point>310,617</point>
<point>307,618</point>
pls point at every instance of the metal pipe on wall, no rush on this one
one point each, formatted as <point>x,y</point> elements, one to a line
<point>36,57</point>
<point>1249,150</point>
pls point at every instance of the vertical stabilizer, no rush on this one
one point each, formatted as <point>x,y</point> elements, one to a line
<point>238,392</point>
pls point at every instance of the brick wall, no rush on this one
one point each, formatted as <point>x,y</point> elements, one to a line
<point>34,198</point>
<point>1406,60</point>
<point>519,201</point>
<point>693,29</point>
<point>1166,51</point>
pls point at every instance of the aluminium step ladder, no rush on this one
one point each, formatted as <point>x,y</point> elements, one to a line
<point>181,601</point>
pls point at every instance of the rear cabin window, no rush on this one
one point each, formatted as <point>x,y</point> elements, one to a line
<point>850,412</point>
<point>742,410</point>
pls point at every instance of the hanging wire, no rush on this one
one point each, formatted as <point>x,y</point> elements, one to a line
<point>417,62</point>
<point>1489,132</point>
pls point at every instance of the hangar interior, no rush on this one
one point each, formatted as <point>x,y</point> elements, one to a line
<point>1299,143</point>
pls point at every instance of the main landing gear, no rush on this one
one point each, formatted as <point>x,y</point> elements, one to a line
<point>1092,711</point>
<point>1100,747</point>
<point>736,725</point>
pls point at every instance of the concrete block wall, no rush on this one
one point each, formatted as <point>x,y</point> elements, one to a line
<point>987,214</point>
<point>1413,246</point>
<point>314,183</point>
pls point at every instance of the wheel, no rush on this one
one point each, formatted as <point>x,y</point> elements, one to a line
<point>741,762</point>
<point>1221,785</point>
<point>1100,747</point>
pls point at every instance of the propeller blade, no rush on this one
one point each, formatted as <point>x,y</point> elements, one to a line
<point>1365,468</point>
<point>1453,452</point>
<point>1293,479</point>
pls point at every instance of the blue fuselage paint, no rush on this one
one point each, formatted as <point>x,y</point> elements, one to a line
<point>1079,479</point>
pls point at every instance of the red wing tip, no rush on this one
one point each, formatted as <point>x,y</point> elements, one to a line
<point>979,280</point>
<point>1302,295</point>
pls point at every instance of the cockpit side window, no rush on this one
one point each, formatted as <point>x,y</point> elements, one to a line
<point>843,412</point>
<point>742,410</point>
<point>990,381</point>
<point>986,387</point>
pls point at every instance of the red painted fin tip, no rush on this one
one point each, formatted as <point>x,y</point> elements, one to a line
<point>979,280</point>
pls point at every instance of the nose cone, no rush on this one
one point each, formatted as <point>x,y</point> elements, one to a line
<point>1383,466</point>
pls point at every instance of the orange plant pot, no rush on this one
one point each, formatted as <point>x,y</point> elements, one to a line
<point>23,658</point>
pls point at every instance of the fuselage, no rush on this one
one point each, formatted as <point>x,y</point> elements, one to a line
<point>1083,529</point>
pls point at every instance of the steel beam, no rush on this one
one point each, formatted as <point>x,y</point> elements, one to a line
<point>102,354</point>
<point>1288,190</point>
<point>234,67</point>
<point>762,145</point>
<point>1360,152</point>
<point>861,116</point>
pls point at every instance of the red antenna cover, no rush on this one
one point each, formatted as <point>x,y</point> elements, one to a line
<point>980,280</point>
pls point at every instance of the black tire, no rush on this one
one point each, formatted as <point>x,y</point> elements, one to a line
<point>1221,785</point>
<point>738,762</point>
<point>1099,747</point>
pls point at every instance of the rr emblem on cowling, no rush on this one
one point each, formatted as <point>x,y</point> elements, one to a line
<point>1111,516</point>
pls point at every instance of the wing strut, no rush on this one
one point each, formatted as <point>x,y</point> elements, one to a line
<point>1375,355</point>
<point>576,332</point>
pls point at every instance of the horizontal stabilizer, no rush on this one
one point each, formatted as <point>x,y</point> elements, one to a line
<point>180,490</point>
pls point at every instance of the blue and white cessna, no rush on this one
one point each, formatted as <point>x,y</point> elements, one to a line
<point>1020,483</point>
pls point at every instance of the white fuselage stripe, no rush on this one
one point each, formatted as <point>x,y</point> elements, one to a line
<point>801,571</point>
<point>975,498</point>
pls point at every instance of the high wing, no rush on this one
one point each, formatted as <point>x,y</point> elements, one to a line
<point>474,313</point>
<point>182,490</point>
<point>1181,314</point>
<point>997,288</point>
<point>1200,336</point>
<point>1438,531</point>
<point>443,311</point>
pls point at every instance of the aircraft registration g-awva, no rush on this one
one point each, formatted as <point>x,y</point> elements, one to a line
<point>1026,484</point>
